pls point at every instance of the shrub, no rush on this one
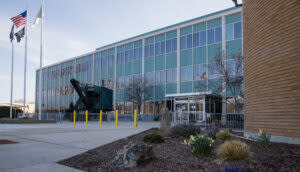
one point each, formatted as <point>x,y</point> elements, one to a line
<point>223,135</point>
<point>185,130</point>
<point>233,150</point>
<point>200,145</point>
<point>153,138</point>
<point>263,139</point>
<point>211,130</point>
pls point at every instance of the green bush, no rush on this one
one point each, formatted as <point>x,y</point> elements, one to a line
<point>185,130</point>
<point>234,150</point>
<point>263,139</point>
<point>223,135</point>
<point>153,138</point>
<point>200,145</point>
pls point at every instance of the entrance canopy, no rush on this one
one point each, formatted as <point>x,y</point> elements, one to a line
<point>194,106</point>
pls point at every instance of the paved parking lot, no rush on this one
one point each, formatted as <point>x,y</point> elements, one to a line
<point>42,145</point>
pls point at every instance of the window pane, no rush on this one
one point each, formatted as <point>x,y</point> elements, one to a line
<point>203,38</point>
<point>163,76</point>
<point>151,49</point>
<point>136,54</point>
<point>183,74</point>
<point>218,35</point>
<point>213,71</point>
<point>189,41</point>
<point>157,48</point>
<point>169,46</point>
<point>196,39</point>
<point>229,32</point>
<point>211,36</point>
<point>174,44</point>
<point>140,53</point>
<point>174,75</point>
<point>237,30</point>
<point>183,42</point>
<point>147,51</point>
<point>162,47</point>
<point>189,73</point>
<point>157,77</point>
<point>196,72</point>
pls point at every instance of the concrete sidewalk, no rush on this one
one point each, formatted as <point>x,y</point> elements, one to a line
<point>42,145</point>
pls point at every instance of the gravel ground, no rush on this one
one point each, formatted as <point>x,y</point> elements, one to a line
<point>173,155</point>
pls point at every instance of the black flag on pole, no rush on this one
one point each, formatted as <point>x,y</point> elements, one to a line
<point>20,34</point>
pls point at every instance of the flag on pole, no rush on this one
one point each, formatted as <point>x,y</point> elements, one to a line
<point>38,17</point>
<point>20,19</point>
<point>20,34</point>
<point>11,35</point>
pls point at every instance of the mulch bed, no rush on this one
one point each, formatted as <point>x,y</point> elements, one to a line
<point>173,155</point>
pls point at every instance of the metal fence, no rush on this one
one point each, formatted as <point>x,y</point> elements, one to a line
<point>80,116</point>
<point>232,120</point>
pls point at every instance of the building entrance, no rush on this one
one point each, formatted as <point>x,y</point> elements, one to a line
<point>190,110</point>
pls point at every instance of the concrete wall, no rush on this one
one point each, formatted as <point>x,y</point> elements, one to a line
<point>271,47</point>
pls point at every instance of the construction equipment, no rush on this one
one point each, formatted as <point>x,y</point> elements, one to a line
<point>91,97</point>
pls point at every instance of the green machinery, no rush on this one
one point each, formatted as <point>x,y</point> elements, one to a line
<point>92,98</point>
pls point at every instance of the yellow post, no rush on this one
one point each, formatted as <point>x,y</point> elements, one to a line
<point>117,118</point>
<point>86,116</point>
<point>135,116</point>
<point>100,118</point>
<point>74,117</point>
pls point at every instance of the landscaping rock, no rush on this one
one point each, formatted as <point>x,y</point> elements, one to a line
<point>132,154</point>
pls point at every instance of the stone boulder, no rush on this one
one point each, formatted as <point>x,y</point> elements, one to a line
<point>211,130</point>
<point>132,154</point>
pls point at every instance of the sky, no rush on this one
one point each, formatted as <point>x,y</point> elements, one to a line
<point>75,27</point>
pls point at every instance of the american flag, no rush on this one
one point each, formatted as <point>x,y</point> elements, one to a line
<point>20,19</point>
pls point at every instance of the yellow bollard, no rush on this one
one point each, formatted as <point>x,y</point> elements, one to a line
<point>74,117</point>
<point>135,116</point>
<point>86,116</point>
<point>117,118</point>
<point>100,118</point>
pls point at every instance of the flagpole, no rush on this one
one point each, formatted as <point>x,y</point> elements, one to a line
<point>12,79</point>
<point>41,64</point>
<point>25,62</point>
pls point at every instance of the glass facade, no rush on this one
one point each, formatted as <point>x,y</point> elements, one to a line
<point>156,59</point>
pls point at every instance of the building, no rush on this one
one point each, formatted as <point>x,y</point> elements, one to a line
<point>272,68</point>
<point>175,62</point>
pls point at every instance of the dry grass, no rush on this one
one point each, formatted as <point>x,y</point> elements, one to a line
<point>223,135</point>
<point>234,150</point>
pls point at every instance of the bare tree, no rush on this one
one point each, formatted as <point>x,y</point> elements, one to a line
<point>135,91</point>
<point>230,72</point>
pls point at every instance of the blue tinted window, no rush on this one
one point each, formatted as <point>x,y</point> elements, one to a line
<point>189,41</point>
<point>186,73</point>
<point>174,44</point>
<point>211,36</point>
<point>202,38</point>
<point>147,51</point>
<point>237,30</point>
<point>169,46</point>
<point>171,75</point>
<point>140,53</point>
<point>183,42</point>
<point>112,60</point>
<point>157,48</point>
<point>214,70</point>
<point>196,39</point>
<point>120,58</point>
<point>128,56</point>
<point>151,48</point>
<point>200,72</point>
<point>136,54</point>
<point>229,32</point>
<point>218,32</point>
<point>162,47</point>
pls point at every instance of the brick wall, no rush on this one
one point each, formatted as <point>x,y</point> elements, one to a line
<point>272,66</point>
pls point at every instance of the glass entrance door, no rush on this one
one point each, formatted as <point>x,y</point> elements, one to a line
<point>189,110</point>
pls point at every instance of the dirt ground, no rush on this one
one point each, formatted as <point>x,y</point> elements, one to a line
<point>173,155</point>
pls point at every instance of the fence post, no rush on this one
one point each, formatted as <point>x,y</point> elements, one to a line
<point>86,116</point>
<point>100,118</point>
<point>74,117</point>
<point>117,124</point>
<point>135,116</point>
